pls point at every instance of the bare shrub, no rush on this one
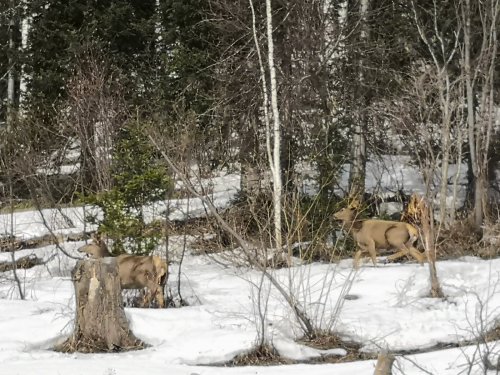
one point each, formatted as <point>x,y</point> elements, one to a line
<point>94,111</point>
<point>460,239</point>
<point>265,355</point>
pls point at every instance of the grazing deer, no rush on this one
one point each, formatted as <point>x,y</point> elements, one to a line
<point>135,271</point>
<point>372,235</point>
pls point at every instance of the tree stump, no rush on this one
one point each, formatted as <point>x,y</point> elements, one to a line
<point>384,364</point>
<point>100,322</point>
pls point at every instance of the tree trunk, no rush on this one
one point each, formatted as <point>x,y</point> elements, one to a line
<point>251,183</point>
<point>444,94</point>
<point>471,125</point>
<point>357,173</point>
<point>480,191</point>
<point>25,30</point>
<point>276,167</point>
<point>427,221</point>
<point>100,323</point>
<point>384,364</point>
<point>477,81</point>
<point>11,78</point>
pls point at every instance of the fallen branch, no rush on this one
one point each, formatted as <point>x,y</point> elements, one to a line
<point>28,261</point>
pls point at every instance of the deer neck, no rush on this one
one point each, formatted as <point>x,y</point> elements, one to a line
<point>352,225</point>
<point>104,250</point>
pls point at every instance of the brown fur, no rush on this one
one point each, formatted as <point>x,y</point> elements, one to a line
<point>372,235</point>
<point>96,249</point>
<point>135,271</point>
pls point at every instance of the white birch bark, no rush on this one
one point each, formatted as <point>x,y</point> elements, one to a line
<point>263,78</point>
<point>277,185</point>
<point>25,29</point>
<point>11,77</point>
<point>358,163</point>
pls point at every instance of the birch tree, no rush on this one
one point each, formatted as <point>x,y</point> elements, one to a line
<point>276,160</point>
<point>357,172</point>
<point>12,65</point>
<point>273,136</point>
<point>479,74</point>
<point>442,52</point>
<point>25,30</point>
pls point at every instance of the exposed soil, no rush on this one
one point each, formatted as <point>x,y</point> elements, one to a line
<point>25,262</point>
<point>269,356</point>
<point>260,356</point>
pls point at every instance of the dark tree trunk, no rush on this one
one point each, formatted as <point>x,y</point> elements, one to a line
<point>251,179</point>
<point>100,322</point>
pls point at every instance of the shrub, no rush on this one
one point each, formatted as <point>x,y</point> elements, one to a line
<point>138,180</point>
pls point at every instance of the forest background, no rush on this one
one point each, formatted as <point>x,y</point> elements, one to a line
<point>97,95</point>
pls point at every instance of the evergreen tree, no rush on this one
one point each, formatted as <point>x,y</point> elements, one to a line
<point>190,46</point>
<point>189,50</point>
<point>138,181</point>
<point>64,30</point>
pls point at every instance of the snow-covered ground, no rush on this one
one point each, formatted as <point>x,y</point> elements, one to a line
<point>387,307</point>
<point>384,307</point>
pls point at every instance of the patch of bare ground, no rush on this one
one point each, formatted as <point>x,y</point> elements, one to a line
<point>489,336</point>
<point>463,239</point>
<point>28,261</point>
<point>262,355</point>
<point>208,244</point>
<point>268,356</point>
<point>11,243</point>
<point>326,341</point>
<point>493,334</point>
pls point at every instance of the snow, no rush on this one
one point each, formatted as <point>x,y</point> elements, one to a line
<point>387,174</point>
<point>386,307</point>
<point>67,221</point>
<point>391,310</point>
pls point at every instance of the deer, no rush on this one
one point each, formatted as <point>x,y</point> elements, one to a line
<point>97,248</point>
<point>372,235</point>
<point>135,271</point>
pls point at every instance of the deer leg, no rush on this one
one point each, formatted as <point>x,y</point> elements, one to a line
<point>157,293</point>
<point>416,254</point>
<point>399,254</point>
<point>373,252</point>
<point>160,299</point>
<point>147,297</point>
<point>357,257</point>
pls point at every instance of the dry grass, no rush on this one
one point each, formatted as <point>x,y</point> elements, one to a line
<point>82,344</point>
<point>263,355</point>
<point>463,239</point>
<point>326,340</point>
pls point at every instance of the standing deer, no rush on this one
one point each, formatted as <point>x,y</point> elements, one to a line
<point>135,271</point>
<point>371,235</point>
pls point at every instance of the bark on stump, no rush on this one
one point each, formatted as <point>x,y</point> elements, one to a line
<point>100,322</point>
<point>384,364</point>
